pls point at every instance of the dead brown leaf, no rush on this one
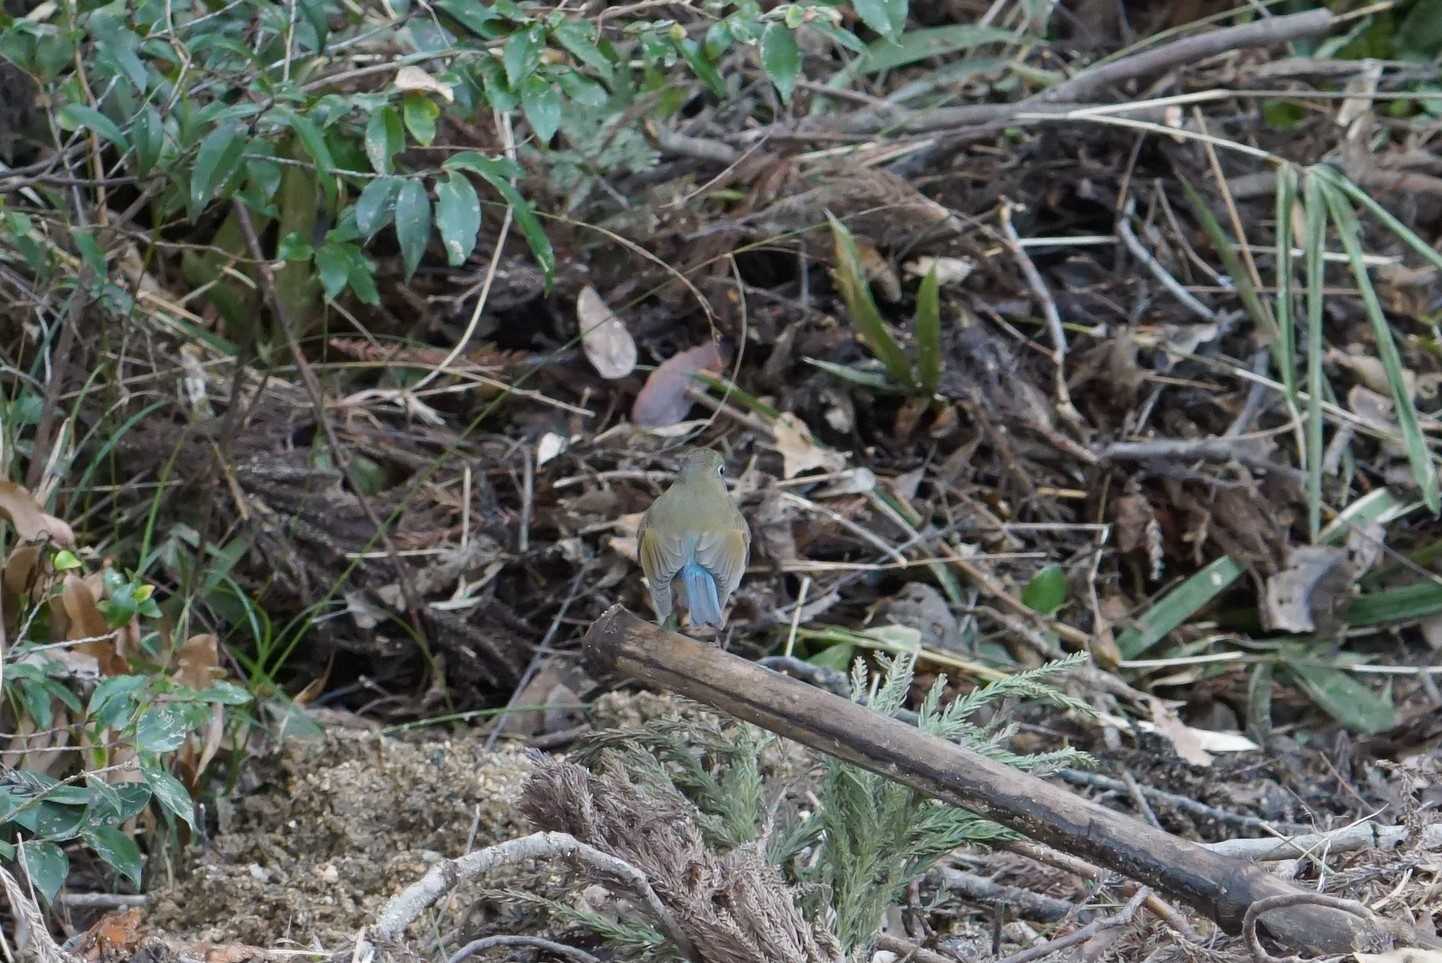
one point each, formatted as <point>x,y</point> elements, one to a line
<point>608,345</point>
<point>663,400</point>
<point>799,451</point>
<point>31,521</point>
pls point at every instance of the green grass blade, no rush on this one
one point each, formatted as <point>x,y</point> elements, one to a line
<point>1313,247</point>
<point>1344,698</point>
<point>928,333</point>
<point>1391,223</point>
<point>1178,605</point>
<point>1285,348</point>
<point>1231,262</point>
<point>1423,470</point>
<point>862,308</point>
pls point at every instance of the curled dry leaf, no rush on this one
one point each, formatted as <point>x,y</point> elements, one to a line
<point>197,664</point>
<point>608,345</point>
<point>30,520</point>
<point>799,452</point>
<point>1311,593</point>
<point>663,400</point>
<point>414,78</point>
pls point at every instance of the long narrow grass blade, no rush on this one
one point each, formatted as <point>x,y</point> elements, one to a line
<point>1390,222</point>
<point>1232,262</point>
<point>1424,472</point>
<point>1178,605</point>
<point>928,333</point>
<point>1313,249</point>
<point>1285,348</point>
<point>862,308</point>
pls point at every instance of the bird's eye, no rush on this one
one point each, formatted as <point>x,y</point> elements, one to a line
<point>720,469</point>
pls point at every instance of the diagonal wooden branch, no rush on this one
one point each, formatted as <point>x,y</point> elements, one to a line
<point>1221,887</point>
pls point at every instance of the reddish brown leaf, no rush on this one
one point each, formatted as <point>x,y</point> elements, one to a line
<point>663,400</point>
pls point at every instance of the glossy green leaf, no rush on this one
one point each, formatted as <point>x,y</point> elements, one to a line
<point>1046,591</point>
<point>1343,698</point>
<point>421,114</point>
<point>522,55</point>
<point>413,223</point>
<point>219,154</point>
<point>578,37</point>
<point>479,18</point>
<point>541,102</point>
<point>701,64</point>
<point>781,58</point>
<point>497,172</point>
<point>376,204</point>
<point>924,44</point>
<point>384,138</point>
<point>149,136</point>
<point>163,728</point>
<point>1178,605</point>
<point>116,850</point>
<point>80,117</point>
<point>47,866</point>
<point>876,15</point>
<point>332,263</point>
<point>168,791</point>
<point>458,215</point>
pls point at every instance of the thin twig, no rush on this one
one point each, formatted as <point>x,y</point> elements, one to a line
<point>443,877</point>
<point>1049,310</point>
<point>550,946</point>
<point>1121,918</point>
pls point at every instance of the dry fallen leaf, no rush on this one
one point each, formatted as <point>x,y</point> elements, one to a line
<point>414,78</point>
<point>663,400</point>
<point>608,345</point>
<point>30,520</point>
<point>1311,592</point>
<point>1182,736</point>
<point>799,452</point>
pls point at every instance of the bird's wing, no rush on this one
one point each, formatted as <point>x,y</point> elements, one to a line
<point>661,555</point>
<point>723,553</point>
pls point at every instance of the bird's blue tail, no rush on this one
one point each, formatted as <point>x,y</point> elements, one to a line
<point>701,595</point>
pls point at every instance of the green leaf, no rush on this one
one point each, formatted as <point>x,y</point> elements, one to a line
<point>493,80</point>
<point>781,58</point>
<point>47,866</point>
<point>497,172</point>
<point>332,263</point>
<point>862,308</point>
<point>695,55</point>
<point>932,42</point>
<point>224,693</point>
<point>876,15</point>
<point>458,215</point>
<point>315,15</point>
<point>363,283</point>
<point>149,134</point>
<point>313,141</point>
<point>80,117</point>
<point>116,850</point>
<point>163,728</point>
<point>579,38</point>
<point>875,380</point>
<point>169,791</point>
<point>1285,347</point>
<point>475,17</point>
<point>522,54</point>
<point>1178,605</point>
<point>413,223</point>
<point>928,333</point>
<point>374,208</point>
<point>1046,592</point>
<point>421,114</point>
<point>384,138</point>
<point>293,247</point>
<point>838,657</point>
<point>542,103</point>
<point>219,154</point>
<point>1344,698</point>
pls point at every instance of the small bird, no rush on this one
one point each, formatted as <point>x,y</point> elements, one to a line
<point>695,532</point>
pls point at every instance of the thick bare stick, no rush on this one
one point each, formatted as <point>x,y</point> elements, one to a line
<point>1221,887</point>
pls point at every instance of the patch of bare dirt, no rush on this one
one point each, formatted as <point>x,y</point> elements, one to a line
<point>332,829</point>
